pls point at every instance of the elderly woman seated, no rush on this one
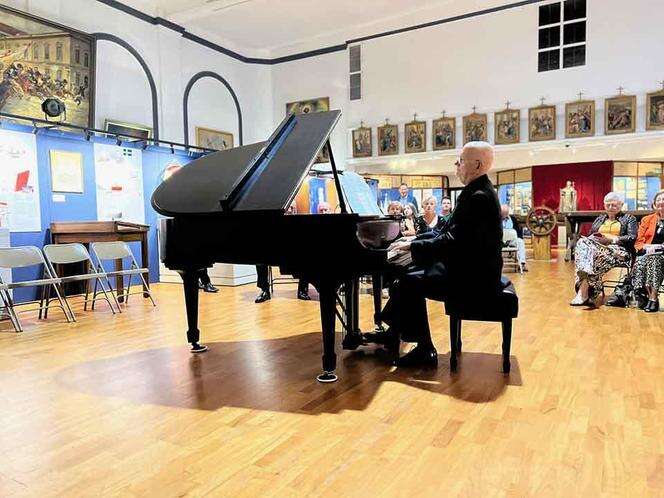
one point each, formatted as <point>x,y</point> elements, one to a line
<point>649,267</point>
<point>395,208</point>
<point>610,244</point>
<point>429,220</point>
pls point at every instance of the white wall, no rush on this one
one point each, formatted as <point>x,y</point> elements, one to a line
<point>485,61</point>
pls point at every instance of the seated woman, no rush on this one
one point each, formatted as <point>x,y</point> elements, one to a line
<point>408,222</point>
<point>649,267</point>
<point>394,208</point>
<point>429,220</point>
<point>610,244</point>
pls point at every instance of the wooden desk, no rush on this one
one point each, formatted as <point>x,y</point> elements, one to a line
<point>85,232</point>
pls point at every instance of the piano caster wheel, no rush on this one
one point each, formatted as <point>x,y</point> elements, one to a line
<point>327,377</point>
<point>198,348</point>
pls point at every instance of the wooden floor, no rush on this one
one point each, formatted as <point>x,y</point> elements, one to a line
<point>116,405</point>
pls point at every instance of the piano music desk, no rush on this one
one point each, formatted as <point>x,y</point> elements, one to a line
<point>86,232</point>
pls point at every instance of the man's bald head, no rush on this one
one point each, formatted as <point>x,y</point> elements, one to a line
<point>324,208</point>
<point>476,160</point>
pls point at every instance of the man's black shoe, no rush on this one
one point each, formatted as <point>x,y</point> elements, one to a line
<point>616,300</point>
<point>209,288</point>
<point>652,306</point>
<point>388,339</point>
<point>304,296</point>
<point>262,297</point>
<point>420,357</point>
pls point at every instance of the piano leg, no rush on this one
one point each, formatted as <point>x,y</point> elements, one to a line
<point>190,280</point>
<point>327,296</point>
<point>377,291</point>
<point>353,338</point>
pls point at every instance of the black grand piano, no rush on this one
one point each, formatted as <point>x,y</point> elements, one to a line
<point>215,204</point>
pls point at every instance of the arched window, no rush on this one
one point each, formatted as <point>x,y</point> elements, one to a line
<point>35,51</point>
<point>47,51</point>
<point>58,51</point>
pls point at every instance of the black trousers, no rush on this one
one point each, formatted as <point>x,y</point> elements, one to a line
<point>263,282</point>
<point>406,310</point>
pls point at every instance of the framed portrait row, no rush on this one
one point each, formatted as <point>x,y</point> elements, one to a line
<point>620,114</point>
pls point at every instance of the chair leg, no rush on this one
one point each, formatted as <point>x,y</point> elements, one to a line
<point>41,302</point>
<point>110,289</point>
<point>150,292</point>
<point>454,327</point>
<point>101,285</point>
<point>9,306</point>
<point>94,294</point>
<point>64,304</point>
<point>507,344</point>
<point>87,295</point>
<point>458,336</point>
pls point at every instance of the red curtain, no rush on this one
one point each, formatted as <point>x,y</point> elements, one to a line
<point>592,181</point>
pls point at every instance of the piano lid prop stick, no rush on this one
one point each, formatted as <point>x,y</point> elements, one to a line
<point>337,183</point>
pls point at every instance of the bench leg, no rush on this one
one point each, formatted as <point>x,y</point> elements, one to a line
<point>455,326</point>
<point>507,343</point>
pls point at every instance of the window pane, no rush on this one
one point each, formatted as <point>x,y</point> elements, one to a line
<point>575,32</point>
<point>574,56</point>
<point>549,37</point>
<point>549,60</point>
<point>355,86</point>
<point>523,195</point>
<point>575,9</point>
<point>549,14</point>
<point>626,185</point>
<point>354,55</point>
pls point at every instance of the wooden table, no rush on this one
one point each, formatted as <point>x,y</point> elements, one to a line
<point>85,232</point>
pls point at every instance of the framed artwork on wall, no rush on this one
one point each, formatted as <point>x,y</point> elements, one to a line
<point>388,140</point>
<point>320,104</point>
<point>66,172</point>
<point>443,133</point>
<point>362,142</point>
<point>415,134</point>
<point>620,115</point>
<point>580,119</point>
<point>655,111</point>
<point>507,126</point>
<point>213,139</point>
<point>129,130</point>
<point>474,128</point>
<point>41,59</point>
<point>542,123</point>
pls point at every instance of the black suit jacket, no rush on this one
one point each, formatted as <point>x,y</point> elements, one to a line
<point>467,250</point>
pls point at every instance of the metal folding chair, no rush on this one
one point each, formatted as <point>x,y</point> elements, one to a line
<point>510,251</point>
<point>21,257</point>
<point>66,254</point>
<point>114,251</point>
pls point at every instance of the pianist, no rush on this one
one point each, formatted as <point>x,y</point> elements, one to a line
<point>462,262</point>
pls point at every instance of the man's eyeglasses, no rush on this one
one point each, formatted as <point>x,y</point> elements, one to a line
<point>458,162</point>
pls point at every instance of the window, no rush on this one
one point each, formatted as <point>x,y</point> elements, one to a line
<point>59,75</point>
<point>562,36</point>
<point>515,189</point>
<point>78,79</point>
<point>638,183</point>
<point>86,59</point>
<point>77,55</point>
<point>355,70</point>
<point>47,51</point>
<point>35,52</point>
<point>58,51</point>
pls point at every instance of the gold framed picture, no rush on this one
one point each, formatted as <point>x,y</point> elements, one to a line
<point>474,128</point>
<point>128,130</point>
<point>388,140</point>
<point>620,115</point>
<point>319,104</point>
<point>507,126</point>
<point>443,133</point>
<point>415,134</point>
<point>213,139</point>
<point>66,172</point>
<point>580,119</point>
<point>362,142</point>
<point>542,123</point>
<point>655,111</point>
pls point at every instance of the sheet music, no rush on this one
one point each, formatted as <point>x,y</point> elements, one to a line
<point>358,194</point>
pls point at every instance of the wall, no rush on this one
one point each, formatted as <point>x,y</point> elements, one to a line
<point>485,61</point>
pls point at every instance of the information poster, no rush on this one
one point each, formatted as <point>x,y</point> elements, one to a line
<point>19,184</point>
<point>119,178</point>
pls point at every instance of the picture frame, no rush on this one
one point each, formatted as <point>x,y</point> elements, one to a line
<point>415,137</point>
<point>580,119</point>
<point>66,172</point>
<point>542,123</point>
<point>620,114</point>
<point>214,139</point>
<point>443,133</point>
<point>42,58</point>
<point>128,130</point>
<point>388,140</point>
<point>655,110</point>
<point>362,145</point>
<point>319,104</point>
<point>474,128</point>
<point>507,126</point>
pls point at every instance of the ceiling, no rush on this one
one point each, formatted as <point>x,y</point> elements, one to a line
<point>280,27</point>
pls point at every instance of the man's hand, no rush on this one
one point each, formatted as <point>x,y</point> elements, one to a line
<point>400,246</point>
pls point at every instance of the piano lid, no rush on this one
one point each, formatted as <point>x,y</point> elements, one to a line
<point>259,177</point>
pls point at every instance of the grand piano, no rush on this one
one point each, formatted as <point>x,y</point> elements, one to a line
<point>229,207</point>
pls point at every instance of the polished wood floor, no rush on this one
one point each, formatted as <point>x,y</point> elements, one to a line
<point>116,405</point>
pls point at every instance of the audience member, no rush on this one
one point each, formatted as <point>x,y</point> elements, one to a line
<point>445,208</point>
<point>405,197</point>
<point>429,220</point>
<point>408,223</point>
<point>649,267</point>
<point>511,223</point>
<point>395,208</point>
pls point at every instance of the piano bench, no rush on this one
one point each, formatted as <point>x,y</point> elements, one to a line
<point>502,309</point>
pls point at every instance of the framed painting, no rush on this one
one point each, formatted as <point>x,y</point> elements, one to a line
<point>416,136</point>
<point>655,111</point>
<point>474,128</point>
<point>580,119</point>
<point>388,140</point>
<point>41,59</point>
<point>620,115</point>
<point>542,123</point>
<point>128,130</point>
<point>320,104</point>
<point>362,142</point>
<point>213,139</point>
<point>507,126</point>
<point>66,172</point>
<point>443,133</point>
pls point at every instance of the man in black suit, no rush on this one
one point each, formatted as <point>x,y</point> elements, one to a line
<point>462,262</point>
